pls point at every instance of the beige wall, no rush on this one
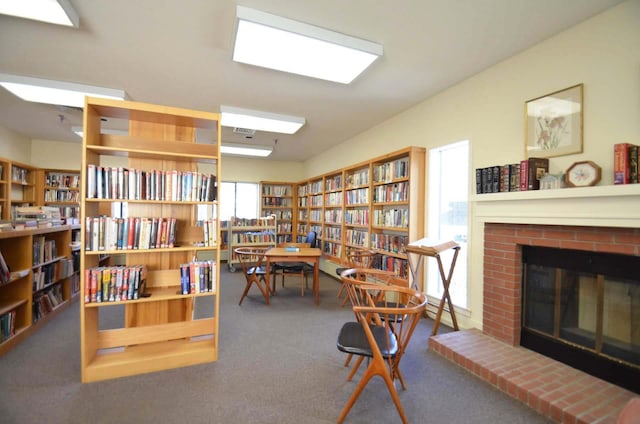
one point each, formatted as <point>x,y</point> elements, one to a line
<point>255,170</point>
<point>488,109</point>
<point>14,146</point>
<point>56,154</point>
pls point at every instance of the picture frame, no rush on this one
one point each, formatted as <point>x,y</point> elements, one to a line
<point>554,123</point>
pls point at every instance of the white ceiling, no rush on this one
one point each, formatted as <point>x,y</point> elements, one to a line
<point>178,53</point>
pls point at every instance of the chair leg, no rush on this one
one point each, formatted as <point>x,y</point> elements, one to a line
<point>346,362</point>
<point>355,368</point>
<point>244,293</point>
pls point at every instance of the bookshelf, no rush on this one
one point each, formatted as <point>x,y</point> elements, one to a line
<point>377,204</point>
<point>40,284</point>
<point>5,188</point>
<point>332,216</point>
<point>171,166</point>
<point>23,186</point>
<point>277,199</point>
<point>302,212</point>
<point>245,232</point>
<point>60,188</point>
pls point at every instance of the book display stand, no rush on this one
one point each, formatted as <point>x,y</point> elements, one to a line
<point>416,251</point>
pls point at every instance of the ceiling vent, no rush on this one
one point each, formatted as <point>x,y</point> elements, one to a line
<point>244,131</point>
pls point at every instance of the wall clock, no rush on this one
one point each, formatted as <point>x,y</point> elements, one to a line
<point>583,174</point>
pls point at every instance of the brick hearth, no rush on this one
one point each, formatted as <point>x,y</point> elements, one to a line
<point>555,390</point>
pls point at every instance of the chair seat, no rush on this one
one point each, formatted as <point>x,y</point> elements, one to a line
<point>352,339</point>
<point>260,271</point>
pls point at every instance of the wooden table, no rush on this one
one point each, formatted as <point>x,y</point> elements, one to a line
<point>303,254</point>
<point>433,248</point>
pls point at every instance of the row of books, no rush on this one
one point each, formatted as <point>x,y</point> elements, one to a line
<point>332,249</point>
<point>49,274</point>
<point>253,237</point>
<point>389,242</point>
<point>333,183</point>
<point>625,163</point>
<point>278,202</point>
<point>356,237</point>
<point>522,176</point>
<point>114,284</point>
<point>358,178</point>
<point>333,233</point>
<point>7,325</point>
<point>356,216</point>
<point>282,215</point>
<point>136,184</point>
<point>51,195</point>
<point>266,221</point>
<point>109,233</point>
<point>275,190</point>
<point>397,192</point>
<point>391,170</point>
<point>388,263</point>
<point>397,218</point>
<point>357,197</point>
<point>43,250</point>
<point>198,277</point>
<point>62,180</point>
<point>5,272</point>
<point>47,302</point>
<point>333,216</point>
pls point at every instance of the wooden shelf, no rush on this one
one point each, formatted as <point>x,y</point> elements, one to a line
<point>159,331</point>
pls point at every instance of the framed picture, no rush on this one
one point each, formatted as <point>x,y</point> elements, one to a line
<point>554,124</point>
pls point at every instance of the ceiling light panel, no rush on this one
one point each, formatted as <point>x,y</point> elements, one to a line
<point>241,150</point>
<point>286,45</point>
<point>55,92</point>
<point>58,12</point>
<point>257,120</point>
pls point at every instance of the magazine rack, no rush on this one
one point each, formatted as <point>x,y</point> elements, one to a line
<point>416,251</point>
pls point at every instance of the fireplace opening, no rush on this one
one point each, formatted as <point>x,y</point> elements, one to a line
<point>583,309</point>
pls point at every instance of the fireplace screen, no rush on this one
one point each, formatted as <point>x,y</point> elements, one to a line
<point>586,300</point>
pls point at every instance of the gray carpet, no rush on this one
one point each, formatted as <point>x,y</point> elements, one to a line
<point>277,364</point>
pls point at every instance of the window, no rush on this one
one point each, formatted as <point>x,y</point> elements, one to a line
<point>448,217</point>
<point>239,199</point>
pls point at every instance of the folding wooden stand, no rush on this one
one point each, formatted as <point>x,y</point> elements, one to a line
<point>433,248</point>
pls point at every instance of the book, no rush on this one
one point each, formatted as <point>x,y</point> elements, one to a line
<point>621,169</point>
<point>5,272</point>
<point>536,169</point>
<point>633,164</point>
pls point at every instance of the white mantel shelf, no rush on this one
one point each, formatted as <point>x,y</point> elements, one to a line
<point>606,206</point>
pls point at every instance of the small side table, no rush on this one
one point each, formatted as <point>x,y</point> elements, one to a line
<point>433,248</point>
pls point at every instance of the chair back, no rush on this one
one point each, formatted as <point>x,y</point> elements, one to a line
<point>311,239</point>
<point>359,258</point>
<point>353,277</point>
<point>394,307</point>
<point>250,258</point>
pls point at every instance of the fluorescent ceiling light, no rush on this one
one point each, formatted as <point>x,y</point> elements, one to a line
<point>241,150</point>
<point>55,92</point>
<point>283,44</point>
<point>58,12</point>
<point>257,120</point>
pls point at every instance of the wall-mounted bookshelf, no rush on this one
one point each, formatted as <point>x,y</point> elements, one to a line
<point>246,232</point>
<point>277,198</point>
<point>60,188</point>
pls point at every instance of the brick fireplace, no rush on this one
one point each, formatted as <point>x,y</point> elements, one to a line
<point>503,264</point>
<point>598,219</point>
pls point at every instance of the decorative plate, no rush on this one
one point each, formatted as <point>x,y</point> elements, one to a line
<point>583,174</point>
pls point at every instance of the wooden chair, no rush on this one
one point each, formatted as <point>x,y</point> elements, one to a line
<point>250,259</point>
<point>381,333</point>
<point>290,268</point>
<point>355,258</point>
<point>354,276</point>
<point>301,269</point>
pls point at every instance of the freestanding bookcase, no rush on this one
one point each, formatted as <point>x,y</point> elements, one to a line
<point>159,330</point>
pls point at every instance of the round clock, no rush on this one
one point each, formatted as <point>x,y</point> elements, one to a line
<point>583,174</point>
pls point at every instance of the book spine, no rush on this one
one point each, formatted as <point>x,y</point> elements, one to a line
<point>633,164</point>
<point>536,169</point>
<point>524,173</point>
<point>621,163</point>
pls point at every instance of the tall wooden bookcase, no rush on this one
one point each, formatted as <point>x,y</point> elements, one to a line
<point>377,204</point>
<point>159,331</point>
<point>23,186</point>
<point>246,232</point>
<point>60,188</point>
<point>41,281</point>
<point>277,199</point>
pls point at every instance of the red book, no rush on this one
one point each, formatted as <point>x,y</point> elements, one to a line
<point>130,232</point>
<point>524,174</point>
<point>621,168</point>
<point>87,285</point>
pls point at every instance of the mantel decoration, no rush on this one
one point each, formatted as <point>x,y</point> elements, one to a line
<point>554,123</point>
<point>583,174</point>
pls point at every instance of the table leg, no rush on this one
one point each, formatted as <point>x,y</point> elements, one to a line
<point>268,277</point>
<point>316,279</point>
